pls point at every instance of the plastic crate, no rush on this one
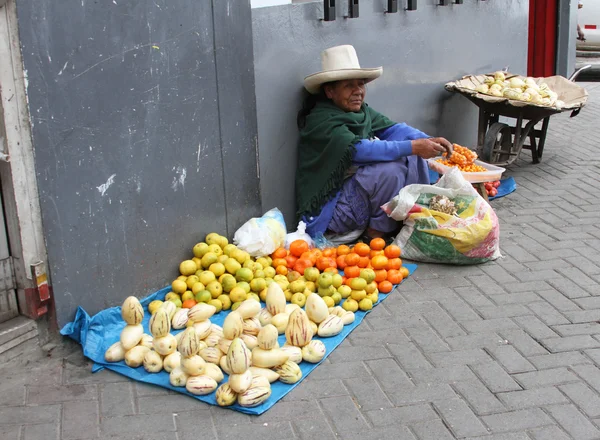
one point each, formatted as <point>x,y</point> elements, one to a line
<point>491,174</point>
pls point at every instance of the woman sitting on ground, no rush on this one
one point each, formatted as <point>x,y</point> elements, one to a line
<point>352,159</point>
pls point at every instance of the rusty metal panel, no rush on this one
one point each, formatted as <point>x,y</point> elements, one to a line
<point>124,108</point>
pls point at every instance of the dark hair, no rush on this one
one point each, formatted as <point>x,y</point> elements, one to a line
<point>309,102</point>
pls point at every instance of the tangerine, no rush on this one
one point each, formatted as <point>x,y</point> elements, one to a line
<point>279,253</point>
<point>343,250</point>
<point>291,260</point>
<point>375,253</point>
<point>298,247</point>
<point>352,259</point>
<point>281,270</point>
<point>377,244</point>
<point>379,262</point>
<point>392,251</point>
<point>362,249</point>
<point>331,270</point>
<point>364,261</point>
<point>352,271</point>
<point>279,262</point>
<point>394,263</point>
<point>405,272</point>
<point>385,286</point>
<point>394,276</point>
<point>301,265</point>
<point>380,275</point>
<point>188,304</point>
<point>309,256</point>
<point>341,261</point>
<point>324,262</point>
<point>329,252</point>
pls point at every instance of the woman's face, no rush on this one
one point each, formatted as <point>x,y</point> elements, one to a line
<point>347,94</point>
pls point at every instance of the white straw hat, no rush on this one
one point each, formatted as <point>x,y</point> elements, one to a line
<point>339,63</point>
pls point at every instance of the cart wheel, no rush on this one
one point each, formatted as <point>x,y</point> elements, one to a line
<point>497,144</point>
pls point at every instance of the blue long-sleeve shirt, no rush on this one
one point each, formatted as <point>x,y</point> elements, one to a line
<point>393,143</point>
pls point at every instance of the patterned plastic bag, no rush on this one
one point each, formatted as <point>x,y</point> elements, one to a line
<point>472,236</point>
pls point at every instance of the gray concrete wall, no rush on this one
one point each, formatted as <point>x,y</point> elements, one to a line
<point>144,133</point>
<point>566,37</point>
<point>420,51</point>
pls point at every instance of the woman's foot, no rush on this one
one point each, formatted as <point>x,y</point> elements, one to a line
<point>374,233</point>
<point>370,234</point>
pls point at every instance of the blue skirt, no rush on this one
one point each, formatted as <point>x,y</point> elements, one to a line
<point>363,194</point>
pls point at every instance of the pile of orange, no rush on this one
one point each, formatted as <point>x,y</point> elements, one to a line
<point>384,260</point>
<point>464,159</point>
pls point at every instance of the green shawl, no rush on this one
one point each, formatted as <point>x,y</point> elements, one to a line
<point>326,148</point>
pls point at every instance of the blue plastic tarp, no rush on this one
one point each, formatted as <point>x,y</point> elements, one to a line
<point>99,332</point>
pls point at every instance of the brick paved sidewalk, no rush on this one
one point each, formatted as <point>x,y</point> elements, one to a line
<point>505,351</point>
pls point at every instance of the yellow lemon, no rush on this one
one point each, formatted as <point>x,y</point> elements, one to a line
<point>215,288</point>
<point>337,298</point>
<point>298,299</point>
<point>217,268</point>
<point>154,306</point>
<point>208,259</point>
<point>345,291</point>
<point>350,305</point>
<point>329,301</point>
<point>228,249</point>
<point>187,267</point>
<point>365,304</point>
<point>198,287</point>
<point>225,301</point>
<point>215,248</point>
<point>269,272</point>
<point>258,284</point>
<point>191,280</point>
<point>187,295</point>
<point>336,280</point>
<point>179,286</point>
<point>206,277</point>
<point>358,283</point>
<point>203,296</point>
<point>238,294</point>
<point>244,285</point>
<point>217,304</point>
<point>228,282</point>
<point>244,274</point>
<point>263,262</point>
<point>358,295</point>
<point>374,297</point>
<point>200,249</point>
<point>232,265</point>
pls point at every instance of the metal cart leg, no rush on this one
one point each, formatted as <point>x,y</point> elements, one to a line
<point>540,148</point>
<point>481,129</point>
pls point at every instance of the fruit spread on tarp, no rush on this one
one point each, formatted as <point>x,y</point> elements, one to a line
<point>97,333</point>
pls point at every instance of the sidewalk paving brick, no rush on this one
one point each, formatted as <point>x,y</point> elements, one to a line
<point>506,350</point>
<point>495,377</point>
<point>459,418</point>
<point>573,422</point>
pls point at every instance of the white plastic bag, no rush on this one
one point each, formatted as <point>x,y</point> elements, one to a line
<point>300,234</point>
<point>260,236</point>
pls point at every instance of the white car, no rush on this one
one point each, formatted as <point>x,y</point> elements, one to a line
<point>588,19</point>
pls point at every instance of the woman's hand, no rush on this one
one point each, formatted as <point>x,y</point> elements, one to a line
<point>444,143</point>
<point>428,148</point>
